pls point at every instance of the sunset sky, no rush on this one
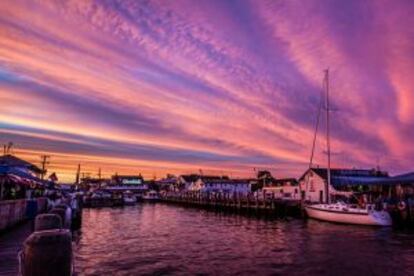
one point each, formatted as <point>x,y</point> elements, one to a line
<point>223,86</point>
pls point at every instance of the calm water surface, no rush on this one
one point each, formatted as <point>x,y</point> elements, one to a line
<point>159,239</point>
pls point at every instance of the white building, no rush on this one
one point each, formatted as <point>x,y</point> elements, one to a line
<point>313,181</point>
<point>186,182</point>
<point>287,188</point>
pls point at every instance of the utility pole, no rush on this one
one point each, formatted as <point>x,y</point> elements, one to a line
<point>78,174</point>
<point>100,174</point>
<point>45,162</point>
<point>7,148</point>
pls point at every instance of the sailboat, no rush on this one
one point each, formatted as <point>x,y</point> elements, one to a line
<point>341,212</point>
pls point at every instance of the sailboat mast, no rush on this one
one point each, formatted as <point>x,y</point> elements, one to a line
<point>328,142</point>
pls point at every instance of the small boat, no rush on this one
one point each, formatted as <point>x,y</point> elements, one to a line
<point>129,198</point>
<point>151,196</point>
<point>349,214</point>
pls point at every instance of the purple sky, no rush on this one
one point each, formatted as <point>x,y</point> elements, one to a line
<point>223,86</point>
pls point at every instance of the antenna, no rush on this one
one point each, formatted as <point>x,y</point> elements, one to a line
<point>9,147</point>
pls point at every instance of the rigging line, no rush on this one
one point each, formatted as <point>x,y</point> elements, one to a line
<point>318,119</point>
<point>321,101</point>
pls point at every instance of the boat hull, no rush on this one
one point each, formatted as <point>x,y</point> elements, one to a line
<point>151,199</point>
<point>374,218</point>
<point>130,202</point>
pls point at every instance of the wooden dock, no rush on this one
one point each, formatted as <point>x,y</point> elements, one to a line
<point>10,243</point>
<point>240,204</point>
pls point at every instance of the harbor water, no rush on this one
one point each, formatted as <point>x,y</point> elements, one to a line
<point>161,239</point>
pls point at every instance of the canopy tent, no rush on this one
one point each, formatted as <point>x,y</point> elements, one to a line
<point>15,162</point>
<point>19,175</point>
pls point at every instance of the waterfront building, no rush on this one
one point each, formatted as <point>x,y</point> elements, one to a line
<point>343,182</point>
<point>14,163</point>
<point>398,186</point>
<point>18,178</point>
<point>90,183</point>
<point>264,177</point>
<point>185,181</point>
<point>19,182</point>
<point>199,184</point>
<point>221,184</point>
<point>286,188</point>
<point>133,183</point>
<point>125,180</point>
<point>167,184</point>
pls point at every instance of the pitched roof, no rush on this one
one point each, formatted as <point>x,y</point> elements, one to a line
<point>350,177</point>
<point>281,181</point>
<point>226,181</point>
<point>13,161</point>
<point>190,177</point>
<point>323,172</point>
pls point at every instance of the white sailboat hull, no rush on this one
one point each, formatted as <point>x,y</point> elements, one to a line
<point>375,218</point>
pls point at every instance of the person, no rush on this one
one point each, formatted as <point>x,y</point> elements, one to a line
<point>361,202</point>
<point>28,193</point>
<point>13,192</point>
<point>379,203</point>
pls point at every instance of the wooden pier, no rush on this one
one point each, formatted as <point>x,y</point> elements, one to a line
<point>236,203</point>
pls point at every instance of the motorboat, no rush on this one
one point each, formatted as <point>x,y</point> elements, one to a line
<point>341,212</point>
<point>129,198</point>
<point>151,196</point>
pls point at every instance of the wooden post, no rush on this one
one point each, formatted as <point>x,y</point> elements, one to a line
<point>1,187</point>
<point>47,253</point>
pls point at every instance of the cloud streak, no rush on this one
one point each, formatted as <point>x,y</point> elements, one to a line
<point>220,85</point>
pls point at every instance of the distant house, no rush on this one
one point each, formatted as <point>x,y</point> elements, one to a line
<point>313,181</point>
<point>264,177</point>
<point>167,184</point>
<point>185,181</point>
<point>287,188</point>
<point>198,184</point>
<point>94,183</point>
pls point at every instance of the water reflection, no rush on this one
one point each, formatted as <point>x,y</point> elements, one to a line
<point>161,239</point>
